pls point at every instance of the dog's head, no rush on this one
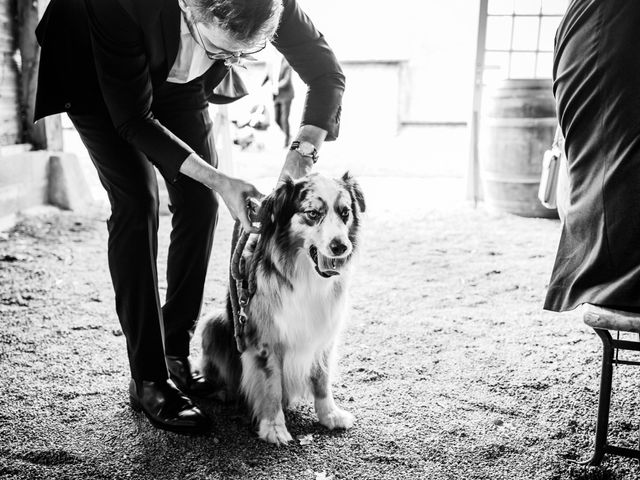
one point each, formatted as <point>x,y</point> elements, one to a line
<point>317,215</point>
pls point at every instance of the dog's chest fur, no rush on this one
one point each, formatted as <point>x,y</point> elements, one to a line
<point>304,322</point>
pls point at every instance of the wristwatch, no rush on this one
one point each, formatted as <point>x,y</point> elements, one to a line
<point>306,149</point>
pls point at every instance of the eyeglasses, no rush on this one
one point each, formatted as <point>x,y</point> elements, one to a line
<point>226,54</point>
<point>221,54</point>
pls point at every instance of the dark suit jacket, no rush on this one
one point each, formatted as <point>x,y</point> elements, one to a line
<point>117,51</point>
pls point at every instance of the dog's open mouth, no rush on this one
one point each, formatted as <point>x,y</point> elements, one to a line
<point>325,266</point>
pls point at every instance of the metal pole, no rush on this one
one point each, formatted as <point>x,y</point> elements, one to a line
<point>474,190</point>
<point>604,403</point>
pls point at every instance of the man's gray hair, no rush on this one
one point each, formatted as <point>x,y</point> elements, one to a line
<point>245,20</point>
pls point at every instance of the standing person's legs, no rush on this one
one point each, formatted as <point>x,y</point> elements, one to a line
<point>277,112</point>
<point>131,185</point>
<point>281,110</point>
<point>184,111</point>
<point>285,110</point>
<point>130,182</point>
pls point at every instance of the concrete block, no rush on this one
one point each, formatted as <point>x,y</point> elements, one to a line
<point>23,180</point>
<point>68,187</point>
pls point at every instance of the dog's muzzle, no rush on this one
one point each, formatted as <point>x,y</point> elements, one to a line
<point>325,266</point>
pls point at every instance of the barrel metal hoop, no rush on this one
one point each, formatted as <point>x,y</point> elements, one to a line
<point>515,122</point>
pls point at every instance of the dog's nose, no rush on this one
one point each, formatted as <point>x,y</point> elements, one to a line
<point>337,247</point>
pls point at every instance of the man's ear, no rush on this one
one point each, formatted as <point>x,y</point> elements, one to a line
<point>275,207</point>
<point>355,190</point>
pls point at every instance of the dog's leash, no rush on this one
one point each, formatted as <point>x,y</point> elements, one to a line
<point>242,280</point>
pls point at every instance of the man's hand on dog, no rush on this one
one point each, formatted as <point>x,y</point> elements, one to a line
<point>238,195</point>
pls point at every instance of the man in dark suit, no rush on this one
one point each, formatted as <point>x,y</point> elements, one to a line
<point>135,77</point>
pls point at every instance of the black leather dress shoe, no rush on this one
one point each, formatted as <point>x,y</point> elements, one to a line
<point>166,407</point>
<point>181,374</point>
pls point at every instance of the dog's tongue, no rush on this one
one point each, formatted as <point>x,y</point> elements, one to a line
<point>327,265</point>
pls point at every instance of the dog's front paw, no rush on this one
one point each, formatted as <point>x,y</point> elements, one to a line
<point>337,418</point>
<point>274,431</point>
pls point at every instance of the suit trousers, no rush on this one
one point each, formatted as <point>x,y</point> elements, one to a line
<point>151,329</point>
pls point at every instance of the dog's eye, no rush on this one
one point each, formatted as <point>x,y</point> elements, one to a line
<point>313,214</point>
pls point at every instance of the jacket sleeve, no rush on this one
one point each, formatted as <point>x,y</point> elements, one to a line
<point>123,75</point>
<point>311,57</point>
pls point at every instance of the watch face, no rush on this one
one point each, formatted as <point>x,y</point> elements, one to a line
<point>306,148</point>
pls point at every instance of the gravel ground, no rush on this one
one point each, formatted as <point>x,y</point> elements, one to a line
<point>448,362</point>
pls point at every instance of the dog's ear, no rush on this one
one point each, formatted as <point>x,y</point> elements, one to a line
<point>275,207</point>
<point>354,188</point>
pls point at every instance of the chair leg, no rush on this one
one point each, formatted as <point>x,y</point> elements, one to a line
<point>604,402</point>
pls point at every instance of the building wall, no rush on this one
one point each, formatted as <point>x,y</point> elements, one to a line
<point>10,118</point>
<point>436,39</point>
<point>408,63</point>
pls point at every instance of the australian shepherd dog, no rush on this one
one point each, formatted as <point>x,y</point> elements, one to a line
<point>303,256</point>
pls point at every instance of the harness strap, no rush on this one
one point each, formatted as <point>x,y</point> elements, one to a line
<point>242,284</point>
<point>236,291</point>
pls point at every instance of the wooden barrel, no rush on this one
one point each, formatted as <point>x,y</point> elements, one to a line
<point>517,125</point>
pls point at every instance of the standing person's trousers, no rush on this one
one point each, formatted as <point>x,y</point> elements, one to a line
<point>282,111</point>
<point>153,330</point>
